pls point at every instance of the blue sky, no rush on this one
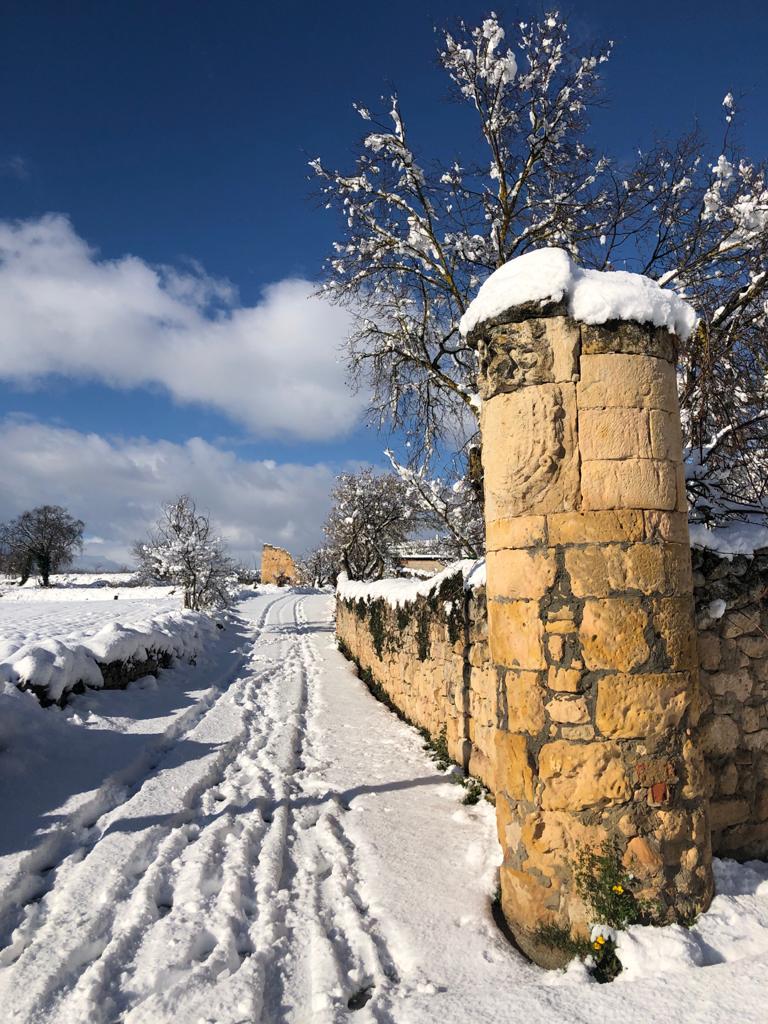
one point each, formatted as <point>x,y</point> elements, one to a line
<point>179,133</point>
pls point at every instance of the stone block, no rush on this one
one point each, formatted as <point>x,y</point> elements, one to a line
<point>630,338</point>
<point>740,621</point>
<point>581,775</point>
<point>754,646</point>
<point>627,381</point>
<point>709,651</point>
<point>526,902</point>
<point>555,647</point>
<point>516,634</point>
<point>520,573</point>
<point>679,570</point>
<point>631,483</point>
<point>553,839</point>
<point>757,741</point>
<point>595,527</point>
<point>642,857</point>
<point>525,706</point>
<point>508,827</point>
<point>673,620</point>
<point>666,439</point>
<point>578,732</point>
<point>724,813</point>
<point>566,711</point>
<point>567,680</point>
<point>483,682</point>
<point>642,705</point>
<point>530,459</point>
<point>671,526</point>
<point>520,532</point>
<point>720,737</point>
<point>615,434</point>
<point>612,634</point>
<point>514,774</point>
<point>530,352</point>
<point>598,570</point>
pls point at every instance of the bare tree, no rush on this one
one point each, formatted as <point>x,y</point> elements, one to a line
<point>184,550</point>
<point>371,516</point>
<point>447,504</point>
<point>46,537</point>
<point>320,567</point>
<point>420,235</point>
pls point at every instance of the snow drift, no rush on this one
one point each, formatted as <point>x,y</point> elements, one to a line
<point>55,666</point>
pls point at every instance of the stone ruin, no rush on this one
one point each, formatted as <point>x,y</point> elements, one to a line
<point>277,566</point>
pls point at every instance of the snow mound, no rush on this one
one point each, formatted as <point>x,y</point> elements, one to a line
<point>398,592</point>
<point>57,665</point>
<point>734,538</point>
<point>734,928</point>
<point>545,276</point>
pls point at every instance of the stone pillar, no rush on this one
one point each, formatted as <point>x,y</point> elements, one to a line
<point>590,616</point>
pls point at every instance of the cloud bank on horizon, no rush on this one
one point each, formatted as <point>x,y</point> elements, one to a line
<point>117,486</point>
<point>274,368</point>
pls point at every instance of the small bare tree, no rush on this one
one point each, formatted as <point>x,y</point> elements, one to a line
<point>319,568</point>
<point>419,235</point>
<point>46,537</point>
<point>450,505</point>
<point>370,518</point>
<point>184,550</point>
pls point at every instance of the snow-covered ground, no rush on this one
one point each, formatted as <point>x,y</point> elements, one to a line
<point>257,839</point>
<point>77,605</point>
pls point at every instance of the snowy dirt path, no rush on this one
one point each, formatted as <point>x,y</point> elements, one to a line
<point>285,851</point>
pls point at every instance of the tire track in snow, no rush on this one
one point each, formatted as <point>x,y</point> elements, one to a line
<point>334,958</point>
<point>37,874</point>
<point>245,905</point>
<point>72,880</point>
<point>189,950</point>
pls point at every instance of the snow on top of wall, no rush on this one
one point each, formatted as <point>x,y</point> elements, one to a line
<point>736,538</point>
<point>57,665</point>
<point>593,296</point>
<point>397,592</point>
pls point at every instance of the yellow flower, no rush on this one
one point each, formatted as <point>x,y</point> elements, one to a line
<point>619,889</point>
<point>599,941</point>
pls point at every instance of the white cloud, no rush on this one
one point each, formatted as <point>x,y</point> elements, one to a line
<point>274,367</point>
<point>118,485</point>
<point>14,167</point>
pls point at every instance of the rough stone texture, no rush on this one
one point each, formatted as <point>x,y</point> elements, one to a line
<point>277,566</point>
<point>591,617</point>
<point>579,695</point>
<point>733,654</point>
<point>529,447</point>
<point>459,688</point>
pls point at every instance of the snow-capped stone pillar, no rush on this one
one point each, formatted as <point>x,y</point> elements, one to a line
<point>590,603</point>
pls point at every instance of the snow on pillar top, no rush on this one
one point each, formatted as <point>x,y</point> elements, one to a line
<point>548,277</point>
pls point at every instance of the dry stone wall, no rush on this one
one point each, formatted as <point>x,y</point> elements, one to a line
<point>429,657</point>
<point>582,705</point>
<point>732,620</point>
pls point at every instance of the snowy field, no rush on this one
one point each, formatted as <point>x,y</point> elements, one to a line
<point>256,839</point>
<point>56,637</point>
<point>77,605</point>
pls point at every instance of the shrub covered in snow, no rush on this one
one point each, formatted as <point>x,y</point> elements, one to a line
<point>184,550</point>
